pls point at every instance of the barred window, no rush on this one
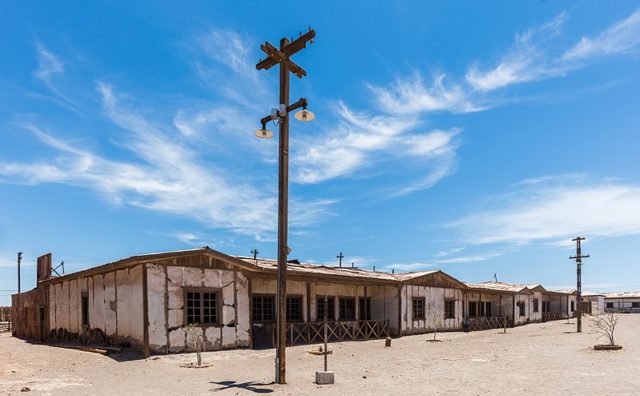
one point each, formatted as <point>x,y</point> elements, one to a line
<point>635,305</point>
<point>331,313</point>
<point>449,309</point>
<point>473,309</point>
<point>535,305</point>
<point>294,309</point>
<point>347,308</point>
<point>521,308</point>
<point>262,307</point>
<point>364,308</point>
<point>418,308</point>
<point>202,306</point>
<point>609,305</point>
<point>487,309</point>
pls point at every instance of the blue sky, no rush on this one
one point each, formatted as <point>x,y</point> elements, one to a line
<point>474,137</point>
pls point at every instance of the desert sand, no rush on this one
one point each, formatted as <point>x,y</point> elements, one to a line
<point>537,359</point>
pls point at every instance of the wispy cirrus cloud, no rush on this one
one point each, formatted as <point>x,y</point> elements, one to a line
<point>533,55</point>
<point>623,37</point>
<point>555,208</point>
<point>360,139</point>
<point>48,63</point>
<point>164,175</point>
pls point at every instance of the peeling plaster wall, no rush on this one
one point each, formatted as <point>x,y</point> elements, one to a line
<point>535,316</point>
<point>114,307</point>
<point>526,299</point>
<point>166,321</point>
<point>434,309</point>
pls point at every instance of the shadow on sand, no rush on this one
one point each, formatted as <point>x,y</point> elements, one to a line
<point>250,386</point>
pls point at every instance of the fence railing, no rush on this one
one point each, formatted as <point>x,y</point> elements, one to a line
<point>486,323</point>
<point>548,316</point>
<point>312,332</point>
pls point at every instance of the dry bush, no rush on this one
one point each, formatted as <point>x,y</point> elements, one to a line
<point>195,340</point>
<point>605,325</point>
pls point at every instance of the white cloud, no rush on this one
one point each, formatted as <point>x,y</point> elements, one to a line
<point>555,209</point>
<point>525,61</point>
<point>410,267</point>
<point>620,38</point>
<point>165,176</point>
<point>411,95</point>
<point>532,56</point>
<point>48,63</point>
<point>358,140</point>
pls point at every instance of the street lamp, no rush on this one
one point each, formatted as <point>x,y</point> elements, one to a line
<point>282,57</point>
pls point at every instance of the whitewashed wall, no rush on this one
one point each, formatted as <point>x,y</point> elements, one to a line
<point>115,305</point>
<point>233,332</point>
<point>535,316</point>
<point>434,309</point>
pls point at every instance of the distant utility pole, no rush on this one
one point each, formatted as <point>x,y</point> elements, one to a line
<point>578,257</point>
<point>340,257</point>
<point>19,261</point>
<point>255,253</point>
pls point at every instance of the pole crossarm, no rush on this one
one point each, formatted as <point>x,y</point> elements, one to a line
<point>276,56</point>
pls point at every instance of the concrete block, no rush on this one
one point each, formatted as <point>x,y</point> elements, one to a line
<point>324,377</point>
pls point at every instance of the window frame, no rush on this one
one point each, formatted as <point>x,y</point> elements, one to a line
<point>331,302</point>
<point>536,305</point>
<point>346,298</point>
<point>522,308</point>
<point>418,300</point>
<point>367,303</point>
<point>84,309</point>
<point>609,305</point>
<point>273,308</point>
<point>473,304</point>
<point>201,291</point>
<point>635,304</point>
<point>452,315</point>
<point>288,318</point>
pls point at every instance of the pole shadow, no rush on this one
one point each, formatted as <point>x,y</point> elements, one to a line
<point>249,386</point>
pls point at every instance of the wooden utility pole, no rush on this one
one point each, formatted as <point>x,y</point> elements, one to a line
<point>255,253</point>
<point>578,257</point>
<point>19,261</point>
<point>340,257</point>
<point>281,57</point>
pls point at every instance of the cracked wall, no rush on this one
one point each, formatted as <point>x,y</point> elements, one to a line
<point>166,287</point>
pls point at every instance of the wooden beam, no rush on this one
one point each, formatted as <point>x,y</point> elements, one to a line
<point>299,43</point>
<point>145,312</point>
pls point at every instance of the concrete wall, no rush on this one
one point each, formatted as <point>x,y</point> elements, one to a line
<point>535,316</point>
<point>434,309</point>
<point>114,307</point>
<point>621,304</point>
<point>25,314</point>
<point>165,288</point>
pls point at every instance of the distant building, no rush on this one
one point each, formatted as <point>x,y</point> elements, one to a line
<point>627,302</point>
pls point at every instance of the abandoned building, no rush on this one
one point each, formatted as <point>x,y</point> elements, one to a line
<point>626,302</point>
<point>148,301</point>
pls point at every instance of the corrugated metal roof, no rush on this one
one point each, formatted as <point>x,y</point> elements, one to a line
<point>304,268</point>
<point>622,295</point>
<point>499,286</point>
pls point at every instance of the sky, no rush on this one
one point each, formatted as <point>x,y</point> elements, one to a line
<point>474,137</point>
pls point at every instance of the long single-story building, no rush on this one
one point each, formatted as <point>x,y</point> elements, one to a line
<point>626,302</point>
<point>147,301</point>
<point>152,302</point>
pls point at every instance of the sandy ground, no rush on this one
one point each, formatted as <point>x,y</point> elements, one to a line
<point>540,359</point>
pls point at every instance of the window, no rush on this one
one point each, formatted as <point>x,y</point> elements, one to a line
<point>263,308</point>
<point>635,305</point>
<point>521,308</point>
<point>449,309</point>
<point>85,309</point>
<point>535,305</point>
<point>364,308</point>
<point>294,309</point>
<point>202,306</point>
<point>487,309</point>
<point>573,306</point>
<point>473,309</point>
<point>609,305</point>
<point>418,308</point>
<point>331,311</point>
<point>347,308</point>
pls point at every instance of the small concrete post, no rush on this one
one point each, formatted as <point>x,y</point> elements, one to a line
<point>504,322</point>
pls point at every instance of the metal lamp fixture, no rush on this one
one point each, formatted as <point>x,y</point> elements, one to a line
<point>304,115</point>
<point>264,133</point>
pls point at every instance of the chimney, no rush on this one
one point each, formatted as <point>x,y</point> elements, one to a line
<point>44,267</point>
